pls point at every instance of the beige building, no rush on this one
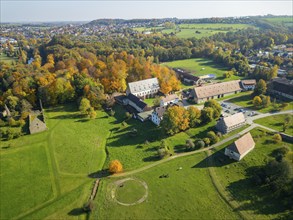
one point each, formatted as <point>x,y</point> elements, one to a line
<point>241,147</point>
<point>215,91</point>
<point>144,88</point>
<point>230,123</point>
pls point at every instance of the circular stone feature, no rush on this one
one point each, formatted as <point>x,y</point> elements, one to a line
<point>130,191</point>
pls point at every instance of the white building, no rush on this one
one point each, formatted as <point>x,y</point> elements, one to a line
<point>157,114</point>
<point>240,147</point>
<point>230,123</point>
<point>144,88</point>
<point>248,84</point>
<point>169,99</point>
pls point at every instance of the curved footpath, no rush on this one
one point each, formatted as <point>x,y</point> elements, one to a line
<point>249,121</point>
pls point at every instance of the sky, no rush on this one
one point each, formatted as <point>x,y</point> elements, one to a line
<point>78,10</point>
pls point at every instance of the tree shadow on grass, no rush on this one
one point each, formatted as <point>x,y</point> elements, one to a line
<point>100,174</point>
<point>151,158</point>
<point>254,197</point>
<point>76,212</point>
<point>179,148</point>
<point>219,159</point>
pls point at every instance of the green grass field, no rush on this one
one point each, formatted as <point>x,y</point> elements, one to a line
<point>46,173</point>
<point>232,176</point>
<point>193,187</point>
<point>200,67</point>
<point>186,194</point>
<point>246,101</point>
<point>189,30</point>
<point>286,21</point>
<point>276,122</point>
<point>6,59</point>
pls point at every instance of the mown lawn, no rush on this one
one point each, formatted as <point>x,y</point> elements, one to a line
<point>6,59</point>
<point>187,194</point>
<point>253,201</point>
<point>200,67</point>
<point>46,174</point>
<point>276,122</point>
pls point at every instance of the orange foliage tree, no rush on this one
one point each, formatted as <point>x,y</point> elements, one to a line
<point>115,166</point>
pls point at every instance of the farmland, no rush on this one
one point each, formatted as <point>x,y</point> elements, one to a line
<point>196,30</point>
<point>200,67</point>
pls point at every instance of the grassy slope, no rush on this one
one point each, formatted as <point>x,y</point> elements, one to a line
<point>195,66</point>
<point>186,194</point>
<point>233,177</point>
<point>6,59</point>
<point>57,160</point>
<point>276,122</point>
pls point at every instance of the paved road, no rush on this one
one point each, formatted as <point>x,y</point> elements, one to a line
<point>252,126</point>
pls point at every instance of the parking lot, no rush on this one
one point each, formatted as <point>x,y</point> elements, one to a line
<point>230,109</point>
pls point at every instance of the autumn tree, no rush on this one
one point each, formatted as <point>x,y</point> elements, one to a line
<point>257,102</point>
<point>115,166</point>
<point>176,119</point>
<point>194,116</point>
<point>84,106</point>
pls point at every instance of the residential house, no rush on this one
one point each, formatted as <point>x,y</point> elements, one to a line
<point>144,88</point>
<point>157,114</point>
<point>187,77</point>
<point>135,103</point>
<point>169,99</point>
<point>281,87</point>
<point>214,91</point>
<point>240,147</point>
<point>230,123</point>
<point>248,84</point>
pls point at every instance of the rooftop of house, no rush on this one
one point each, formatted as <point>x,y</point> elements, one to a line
<point>248,82</point>
<point>169,98</point>
<point>143,85</point>
<point>160,110</point>
<point>234,119</point>
<point>137,101</point>
<point>243,144</point>
<point>217,89</point>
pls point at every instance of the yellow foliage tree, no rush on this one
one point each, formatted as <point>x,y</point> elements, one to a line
<point>115,166</point>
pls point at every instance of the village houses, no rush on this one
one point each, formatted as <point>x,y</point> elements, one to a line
<point>169,99</point>
<point>144,88</point>
<point>230,123</point>
<point>157,114</point>
<point>240,147</point>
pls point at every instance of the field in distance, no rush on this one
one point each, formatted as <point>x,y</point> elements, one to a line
<point>195,30</point>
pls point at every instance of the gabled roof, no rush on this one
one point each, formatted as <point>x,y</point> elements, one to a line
<point>248,82</point>
<point>243,144</point>
<point>137,101</point>
<point>217,89</point>
<point>143,85</point>
<point>169,98</point>
<point>160,110</point>
<point>234,119</point>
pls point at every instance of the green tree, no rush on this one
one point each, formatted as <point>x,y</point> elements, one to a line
<point>207,115</point>
<point>277,138</point>
<point>215,106</point>
<point>194,116</point>
<point>189,144</point>
<point>84,106</point>
<point>260,88</point>
<point>212,137</point>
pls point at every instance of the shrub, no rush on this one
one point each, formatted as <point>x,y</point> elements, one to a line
<point>277,138</point>
<point>115,166</point>
<point>163,152</point>
<point>206,141</point>
<point>213,137</point>
<point>189,144</point>
<point>200,144</point>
